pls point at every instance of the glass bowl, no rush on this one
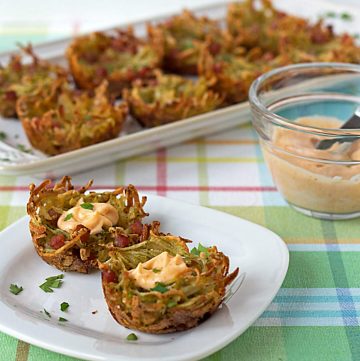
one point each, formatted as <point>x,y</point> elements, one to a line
<point>296,107</point>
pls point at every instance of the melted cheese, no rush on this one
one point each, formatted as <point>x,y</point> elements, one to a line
<point>103,215</point>
<point>167,269</point>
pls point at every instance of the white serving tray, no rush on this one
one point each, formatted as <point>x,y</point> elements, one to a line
<point>134,139</point>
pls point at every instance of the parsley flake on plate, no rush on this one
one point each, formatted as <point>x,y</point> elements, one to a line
<point>62,319</point>
<point>22,148</point>
<point>3,136</point>
<point>52,282</point>
<point>64,306</point>
<point>15,289</point>
<point>131,337</point>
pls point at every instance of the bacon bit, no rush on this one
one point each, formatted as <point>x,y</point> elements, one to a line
<point>217,68</point>
<point>109,276</point>
<point>92,256</point>
<point>136,227</point>
<point>57,241</point>
<point>85,237</point>
<point>54,216</point>
<point>121,240</point>
<point>130,75</point>
<point>173,54</point>
<point>143,72</point>
<point>10,96</point>
<point>320,35</point>
<point>61,110</point>
<point>214,48</point>
<point>90,57</point>
<point>16,66</point>
<point>268,56</point>
<point>101,72</point>
<point>281,14</point>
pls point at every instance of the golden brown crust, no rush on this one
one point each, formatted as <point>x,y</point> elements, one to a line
<point>168,99</point>
<point>57,119</point>
<point>178,320</point>
<point>181,37</point>
<point>230,79</point>
<point>19,77</point>
<point>98,56</point>
<point>80,250</point>
<point>189,301</point>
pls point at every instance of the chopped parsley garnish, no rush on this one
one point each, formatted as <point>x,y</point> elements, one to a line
<point>47,313</point>
<point>62,319</point>
<point>3,136</point>
<point>171,303</point>
<point>156,270</point>
<point>68,216</point>
<point>15,289</point>
<point>87,117</point>
<point>22,148</point>
<point>330,14</point>
<point>87,206</point>
<point>160,287</point>
<point>64,306</point>
<point>346,16</point>
<point>343,16</point>
<point>5,159</point>
<point>52,282</point>
<point>196,251</point>
<point>131,337</point>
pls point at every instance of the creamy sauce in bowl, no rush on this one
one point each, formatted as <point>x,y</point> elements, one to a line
<point>305,178</point>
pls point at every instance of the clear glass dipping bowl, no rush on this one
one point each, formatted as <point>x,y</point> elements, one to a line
<point>319,183</point>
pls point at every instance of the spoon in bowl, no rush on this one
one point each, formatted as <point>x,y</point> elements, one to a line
<point>351,123</point>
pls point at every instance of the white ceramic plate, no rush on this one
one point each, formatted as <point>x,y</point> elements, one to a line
<point>258,252</point>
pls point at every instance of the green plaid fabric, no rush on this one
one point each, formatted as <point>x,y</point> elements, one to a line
<point>315,316</point>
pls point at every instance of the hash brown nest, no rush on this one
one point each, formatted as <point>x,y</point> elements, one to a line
<point>17,76</point>
<point>119,58</point>
<point>169,98</point>
<point>283,34</point>
<point>78,250</point>
<point>182,304</point>
<point>229,74</point>
<point>58,119</point>
<point>181,37</point>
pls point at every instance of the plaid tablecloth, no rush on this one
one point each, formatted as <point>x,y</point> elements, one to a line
<point>315,316</point>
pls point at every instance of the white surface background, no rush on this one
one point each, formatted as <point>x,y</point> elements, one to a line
<point>53,19</point>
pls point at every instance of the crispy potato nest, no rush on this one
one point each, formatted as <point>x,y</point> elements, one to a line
<point>79,250</point>
<point>169,98</point>
<point>58,119</point>
<point>120,58</point>
<point>179,305</point>
<point>282,34</point>
<point>261,38</point>
<point>17,77</point>
<point>181,37</point>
